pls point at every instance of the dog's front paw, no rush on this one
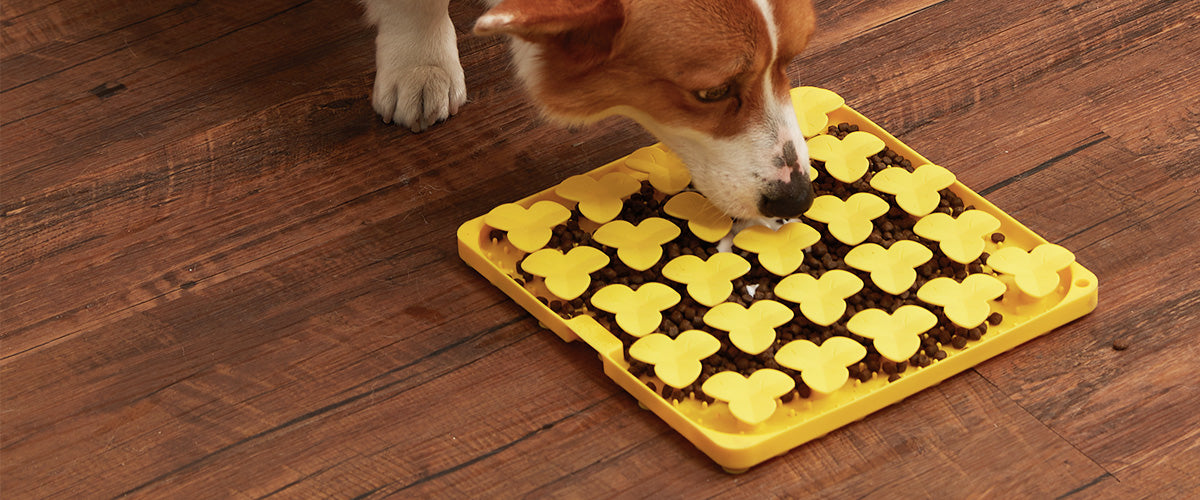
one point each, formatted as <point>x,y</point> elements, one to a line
<point>418,79</point>
<point>418,96</point>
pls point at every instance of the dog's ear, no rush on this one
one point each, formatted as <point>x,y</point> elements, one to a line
<point>582,29</point>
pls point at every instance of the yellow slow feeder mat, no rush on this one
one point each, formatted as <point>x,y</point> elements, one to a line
<point>752,341</point>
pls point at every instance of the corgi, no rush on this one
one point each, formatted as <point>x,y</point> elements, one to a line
<point>707,77</point>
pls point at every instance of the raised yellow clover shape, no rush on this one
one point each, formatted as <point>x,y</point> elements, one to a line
<point>708,281</point>
<point>823,301</point>
<point>638,312</point>
<point>917,191</point>
<point>676,361</point>
<point>1036,272</point>
<point>896,336</point>
<point>966,303</point>
<point>599,199</point>
<point>893,269</point>
<point>961,239</point>
<point>780,251</point>
<point>845,159</point>
<point>640,246</point>
<point>567,275</point>
<point>751,400</point>
<point>528,229</point>
<point>666,172</point>
<point>751,330</point>
<point>706,221</point>
<point>812,106</point>
<point>823,369</point>
<point>849,221</point>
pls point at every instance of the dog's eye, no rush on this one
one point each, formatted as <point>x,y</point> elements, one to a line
<point>714,94</point>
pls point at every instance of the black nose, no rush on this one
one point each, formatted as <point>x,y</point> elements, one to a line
<point>787,199</point>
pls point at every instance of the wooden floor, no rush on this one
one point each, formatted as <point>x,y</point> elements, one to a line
<point>223,276</point>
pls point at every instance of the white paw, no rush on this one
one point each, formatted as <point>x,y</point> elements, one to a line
<point>419,96</point>
<point>418,78</point>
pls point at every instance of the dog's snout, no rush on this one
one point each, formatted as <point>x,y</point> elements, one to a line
<point>787,199</point>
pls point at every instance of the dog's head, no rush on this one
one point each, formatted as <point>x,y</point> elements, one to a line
<point>707,77</point>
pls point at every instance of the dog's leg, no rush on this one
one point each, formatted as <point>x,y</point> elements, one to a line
<point>418,78</point>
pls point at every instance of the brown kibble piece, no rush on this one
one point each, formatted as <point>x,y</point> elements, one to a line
<point>1120,344</point>
<point>997,237</point>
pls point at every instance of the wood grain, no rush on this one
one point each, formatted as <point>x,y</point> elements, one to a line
<point>222,275</point>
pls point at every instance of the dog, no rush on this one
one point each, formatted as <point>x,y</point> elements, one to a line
<point>706,77</point>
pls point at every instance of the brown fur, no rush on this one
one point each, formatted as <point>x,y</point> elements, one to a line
<point>653,55</point>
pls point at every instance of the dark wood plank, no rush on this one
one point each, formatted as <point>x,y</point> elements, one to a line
<point>194,67</point>
<point>922,447</point>
<point>222,274</point>
<point>1169,470</point>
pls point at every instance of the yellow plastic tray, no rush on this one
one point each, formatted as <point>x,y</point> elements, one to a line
<point>737,445</point>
